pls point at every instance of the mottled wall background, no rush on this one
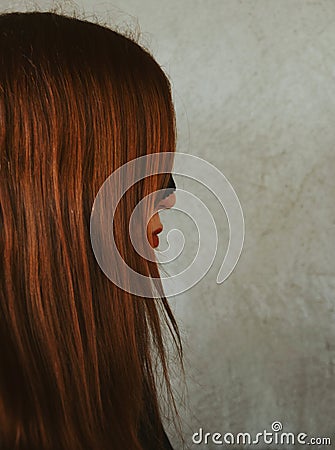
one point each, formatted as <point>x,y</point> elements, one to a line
<point>254,88</point>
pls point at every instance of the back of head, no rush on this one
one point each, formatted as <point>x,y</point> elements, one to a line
<point>77,101</point>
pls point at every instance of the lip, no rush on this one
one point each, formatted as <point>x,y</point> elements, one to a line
<point>155,240</point>
<point>159,230</point>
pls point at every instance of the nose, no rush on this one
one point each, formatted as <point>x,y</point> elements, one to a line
<point>167,202</point>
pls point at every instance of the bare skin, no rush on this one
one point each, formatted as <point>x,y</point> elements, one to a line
<point>155,225</point>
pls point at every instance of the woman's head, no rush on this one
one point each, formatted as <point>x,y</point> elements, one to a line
<point>77,101</point>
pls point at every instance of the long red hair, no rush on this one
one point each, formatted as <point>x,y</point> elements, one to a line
<point>78,355</point>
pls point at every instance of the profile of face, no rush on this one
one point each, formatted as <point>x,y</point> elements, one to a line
<point>155,225</point>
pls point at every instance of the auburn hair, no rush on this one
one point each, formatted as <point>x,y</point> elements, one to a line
<point>78,355</point>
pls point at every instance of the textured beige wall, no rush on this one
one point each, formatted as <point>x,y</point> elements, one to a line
<point>254,87</point>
